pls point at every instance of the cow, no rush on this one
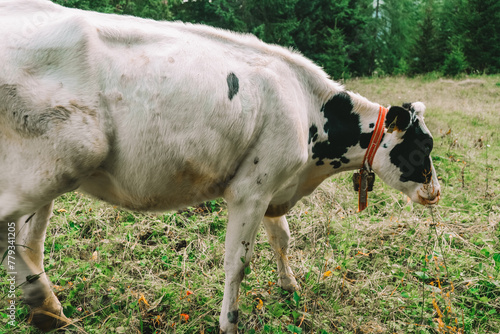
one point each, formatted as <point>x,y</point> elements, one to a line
<point>157,116</point>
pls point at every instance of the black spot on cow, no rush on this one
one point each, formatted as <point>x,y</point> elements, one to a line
<point>411,156</point>
<point>343,129</point>
<point>313,133</point>
<point>233,84</point>
<point>364,139</point>
<point>232,316</point>
<point>372,125</point>
<point>336,163</point>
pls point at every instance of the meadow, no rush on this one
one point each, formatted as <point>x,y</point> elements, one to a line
<point>397,267</point>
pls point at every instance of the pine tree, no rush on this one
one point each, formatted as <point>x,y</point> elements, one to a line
<point>154,9</point>
<point>273,20</point>
<point>483,31</point>
<point>426,56</point>
<point>362,46</point>
<point>398,33</point>
<point>335,34</point>
<point>452,35</point>
<point>320,36</point>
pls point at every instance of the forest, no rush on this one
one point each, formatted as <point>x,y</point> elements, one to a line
<point>349,38</point>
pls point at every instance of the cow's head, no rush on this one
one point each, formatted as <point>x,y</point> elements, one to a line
<point>403,160</point>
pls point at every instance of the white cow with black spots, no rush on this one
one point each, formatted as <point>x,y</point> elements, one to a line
<point>157,116</point>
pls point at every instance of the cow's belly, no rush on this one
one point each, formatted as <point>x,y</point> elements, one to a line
<point>165,191</point>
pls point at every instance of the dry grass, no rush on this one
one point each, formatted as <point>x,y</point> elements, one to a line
<point>394,268</point>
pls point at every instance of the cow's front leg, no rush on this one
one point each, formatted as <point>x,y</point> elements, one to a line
<point>46,310</point>
<point>279,235</point>
<point>244,222</point>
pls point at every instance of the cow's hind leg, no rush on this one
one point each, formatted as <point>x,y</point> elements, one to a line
<point>46,310</point>
<point>279,235</point>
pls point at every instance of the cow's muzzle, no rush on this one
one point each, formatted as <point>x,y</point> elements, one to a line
<point>430,199</point>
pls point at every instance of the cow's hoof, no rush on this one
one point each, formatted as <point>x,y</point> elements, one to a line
<point>47,318</point>
<point>228,332</point>
<point>229,323</point>
<point>289,284</point>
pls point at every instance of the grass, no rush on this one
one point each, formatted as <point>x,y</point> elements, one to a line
<point>395,268</point>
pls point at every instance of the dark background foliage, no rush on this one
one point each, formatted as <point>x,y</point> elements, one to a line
<point>349,37</point>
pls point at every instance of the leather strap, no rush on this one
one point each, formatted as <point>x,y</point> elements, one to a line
<point>366,167</point>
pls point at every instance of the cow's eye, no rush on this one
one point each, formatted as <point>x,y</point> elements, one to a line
<point>428,148</point>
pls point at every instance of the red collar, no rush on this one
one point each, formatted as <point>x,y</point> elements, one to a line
<point>365,170</point>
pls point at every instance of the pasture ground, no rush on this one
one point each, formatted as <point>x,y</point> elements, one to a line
<point>395,268</point>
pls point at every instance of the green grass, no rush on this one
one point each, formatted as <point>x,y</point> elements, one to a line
<point>395,268</point>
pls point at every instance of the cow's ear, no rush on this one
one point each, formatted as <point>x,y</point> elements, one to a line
<point>397,119</point>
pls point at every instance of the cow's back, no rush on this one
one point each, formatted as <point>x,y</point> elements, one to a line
<point>180,105</point>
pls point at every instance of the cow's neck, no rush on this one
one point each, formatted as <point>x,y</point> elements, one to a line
<point>340,140</point>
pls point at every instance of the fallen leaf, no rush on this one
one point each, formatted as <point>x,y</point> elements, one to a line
<point>143,300</point>
<point>260,304</point>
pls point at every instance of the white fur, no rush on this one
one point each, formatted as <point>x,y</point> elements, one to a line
<point>137,113</point>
